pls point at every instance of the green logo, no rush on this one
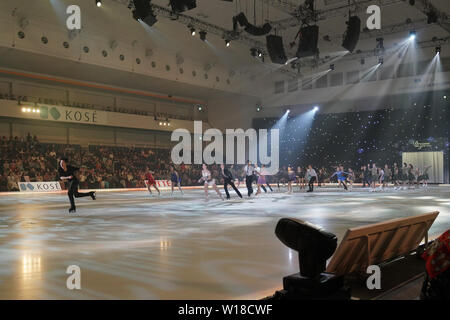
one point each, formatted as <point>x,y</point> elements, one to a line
<point>43,112</point>
<point>55,113</point>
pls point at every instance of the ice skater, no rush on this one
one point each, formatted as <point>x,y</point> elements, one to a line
<point>261,173</point>
<point>175,179</point>
<point>365,176</point>
<point>411,177</point>
<point>150,181</point>
<point>301,178</point>
<point>387,176</point>
<point>381,177</point>
<point>291,179</point>
<point>404,173</point>
<point>266,178</point>
<point>228,180</point>
<point>373,177</point>
<point>67,172</point>
<point>340,175</point>
<point>235,174</point>
<point>311,177</point>
<point>351,179</point>
<point>249,170</point>
<point>208,181</point>
<point>396,176</point>
<point>424,177</point>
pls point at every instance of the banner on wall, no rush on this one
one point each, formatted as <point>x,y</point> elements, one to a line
<point>160,183</point>
<point>69,114</point>
<point>39,186</point>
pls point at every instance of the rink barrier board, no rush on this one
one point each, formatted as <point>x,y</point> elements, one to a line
<point>164,188</point>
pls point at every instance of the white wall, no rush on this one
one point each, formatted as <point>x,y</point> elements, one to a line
<point>34,90</point>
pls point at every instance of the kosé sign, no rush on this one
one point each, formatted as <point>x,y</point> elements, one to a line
<point>39,186</point>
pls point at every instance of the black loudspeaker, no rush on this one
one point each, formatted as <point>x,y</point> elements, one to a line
<point>276,49</point>
<point>258,31</point>
<point>241,19</point>
<point>351,36</point>
<point>182,5</point>
<point>309,37</point>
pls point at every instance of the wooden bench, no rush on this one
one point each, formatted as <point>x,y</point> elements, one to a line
<point>379,242</point>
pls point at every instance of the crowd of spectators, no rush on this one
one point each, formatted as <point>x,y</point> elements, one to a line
<point>25,159</point>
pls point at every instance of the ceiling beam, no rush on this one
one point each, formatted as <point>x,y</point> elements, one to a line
<point>336,11</point>
<point>282,5</point>
<point>425,6</point>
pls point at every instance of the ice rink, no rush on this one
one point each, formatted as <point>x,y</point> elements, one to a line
<point>129,245</point>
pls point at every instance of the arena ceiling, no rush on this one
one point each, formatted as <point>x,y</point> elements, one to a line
<point>114,21</point>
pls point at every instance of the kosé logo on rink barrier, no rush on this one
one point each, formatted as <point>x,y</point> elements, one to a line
<point>250,144</point>
<point>39,186</point>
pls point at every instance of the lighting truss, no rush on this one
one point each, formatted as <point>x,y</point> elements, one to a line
<point>337,11</point>
<point>425,6</point>
<point>201,25</point>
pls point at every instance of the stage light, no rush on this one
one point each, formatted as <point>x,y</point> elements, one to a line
<point>98,3</point>
<point>202,35</point>
<point>316,108</point>
<point>258,108</point>
<point>160,123</point>
<point>412,35</point>
<point>192,29</point>
<point>143,12</point>
<point>29,110</point>
<point>38,110</point>
<point>380,61</point>
<point>314,245</point>
<point>331,67</point>
<point>288,110</point>
<point>379,48</point>
<point>199,108</point>
<point>227,43</point>
<point>445,97</point>
<point>438,49</point>
<point>24,110</point>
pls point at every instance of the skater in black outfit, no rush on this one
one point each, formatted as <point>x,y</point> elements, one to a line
<point>311,177</point>
<point>67,172</point>
<point>249,170</point>
<point>228,180</point>
<point>365,176</point>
